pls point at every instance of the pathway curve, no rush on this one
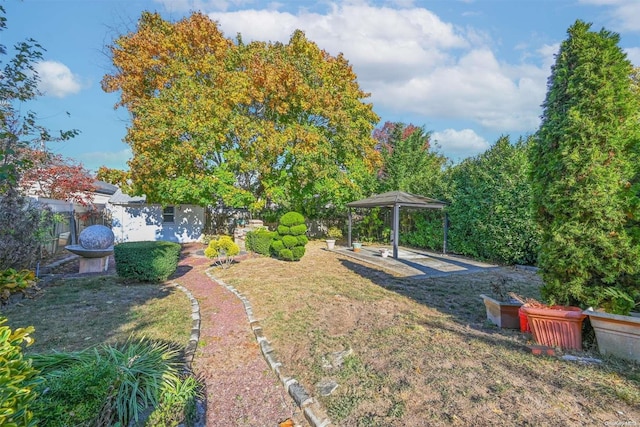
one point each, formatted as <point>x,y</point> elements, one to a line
<point>241,388</point>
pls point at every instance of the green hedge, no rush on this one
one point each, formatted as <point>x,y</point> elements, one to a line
<point>146,261</point>
<point>259,241</point>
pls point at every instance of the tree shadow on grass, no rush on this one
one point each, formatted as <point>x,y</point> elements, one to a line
<point>457,296</point>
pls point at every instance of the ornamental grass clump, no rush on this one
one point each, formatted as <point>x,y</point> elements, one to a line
<point>290,239</point>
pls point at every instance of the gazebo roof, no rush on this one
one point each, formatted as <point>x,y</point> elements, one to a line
<point>400,198</point>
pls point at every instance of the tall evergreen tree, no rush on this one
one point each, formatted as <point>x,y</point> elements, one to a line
<point>583,165</point>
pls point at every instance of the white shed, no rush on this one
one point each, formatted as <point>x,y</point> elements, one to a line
<point>134,220</point>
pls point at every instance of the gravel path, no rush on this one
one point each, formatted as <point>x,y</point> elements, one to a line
<point>241,388</point>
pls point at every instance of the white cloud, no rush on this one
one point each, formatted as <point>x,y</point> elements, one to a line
<point>633,54</point>
<point>412,61</point>
<point>56,79</point>
<point>458,144</point>
<point>625,13</point>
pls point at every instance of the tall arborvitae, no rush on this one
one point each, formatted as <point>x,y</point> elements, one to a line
<point>584,164</point>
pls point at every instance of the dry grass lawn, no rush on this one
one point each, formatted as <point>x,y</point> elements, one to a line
<point>72,314</point>
<point>421,351</point>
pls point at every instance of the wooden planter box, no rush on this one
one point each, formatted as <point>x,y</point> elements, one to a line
<point>616,334</point>
<point>556,326</point>
<point>503,314</point>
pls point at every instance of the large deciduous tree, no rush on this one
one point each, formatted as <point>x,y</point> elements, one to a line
<point>215,119</point>
<point>584,170</point>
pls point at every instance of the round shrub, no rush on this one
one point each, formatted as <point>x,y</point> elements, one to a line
<point>286,254</point>
<point>283,230</point>
<point>302,240</point>
<point>277,246</point>
<point>221,247</point>
<point>291,218</point>
<point>297,252</point>
<point>298,229</point>
<point>289,241</point>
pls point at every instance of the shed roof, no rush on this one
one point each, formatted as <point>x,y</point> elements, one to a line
<point>120,198</point>
<point>401,198</point>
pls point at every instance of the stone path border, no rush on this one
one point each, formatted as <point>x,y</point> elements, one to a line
<point>192,345</point>
<point>313,412</point>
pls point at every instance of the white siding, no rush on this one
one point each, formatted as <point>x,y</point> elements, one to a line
<point>142,222</point>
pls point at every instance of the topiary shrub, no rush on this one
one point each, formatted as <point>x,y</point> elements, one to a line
<point>259,241</point>
<point>223,249</point>
<point>146,261</point>
<point>289,242</point>
<point>18,378</point>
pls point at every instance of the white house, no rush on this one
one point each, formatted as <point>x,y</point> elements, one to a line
<point>133,220</point>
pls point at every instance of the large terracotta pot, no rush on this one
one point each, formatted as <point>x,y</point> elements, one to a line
<point>556,326</point>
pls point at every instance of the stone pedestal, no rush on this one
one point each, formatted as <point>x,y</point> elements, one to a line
<point>94,265</point>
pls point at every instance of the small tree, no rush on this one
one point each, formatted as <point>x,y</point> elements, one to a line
<point>290,240</point>
<point>585,173</point>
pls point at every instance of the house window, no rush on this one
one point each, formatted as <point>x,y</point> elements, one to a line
<point>169,214</point>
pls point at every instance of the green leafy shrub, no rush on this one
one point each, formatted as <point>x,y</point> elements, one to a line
<point>75,395</point>
<point>334,233</point>
<point>298,230</point>
<point>291,218</point>
<point>289,241</point>
<point>297,252</point>
<point>290,237</point>
<point>259,241</point>
<point>223,249</point>
<point>120,382</point>
<point>13,281</point>
<point>283,230</point>
<point>146,261</point>
<point>18,378</point>
<point>177,404</point>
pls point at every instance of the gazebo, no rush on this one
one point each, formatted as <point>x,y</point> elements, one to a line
<point>395,200</point>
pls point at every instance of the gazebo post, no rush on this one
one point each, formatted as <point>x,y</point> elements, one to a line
<point>446,231</point>
<point>349,230</point>
<point>396,227</point>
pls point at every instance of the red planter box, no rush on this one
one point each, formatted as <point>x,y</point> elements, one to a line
<point>556,326</point>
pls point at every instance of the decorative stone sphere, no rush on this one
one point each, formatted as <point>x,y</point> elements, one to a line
<point>96,237</point>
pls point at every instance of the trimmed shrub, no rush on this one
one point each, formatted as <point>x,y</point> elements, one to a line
<point>277,246</point>
<point>146,261</point>
<point>223,249</point>
<point>18,378</point>
<point>290,240</point>
<point>291,218</point>
<point>298,252</point>
<point>283,230</point>
<point>286,254</point>
<point>298,230</point>
<point>259,241</point>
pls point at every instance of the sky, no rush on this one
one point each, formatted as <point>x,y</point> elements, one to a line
<point>468,71</point>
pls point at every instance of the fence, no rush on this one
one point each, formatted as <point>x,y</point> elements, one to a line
<point>68,222</point>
